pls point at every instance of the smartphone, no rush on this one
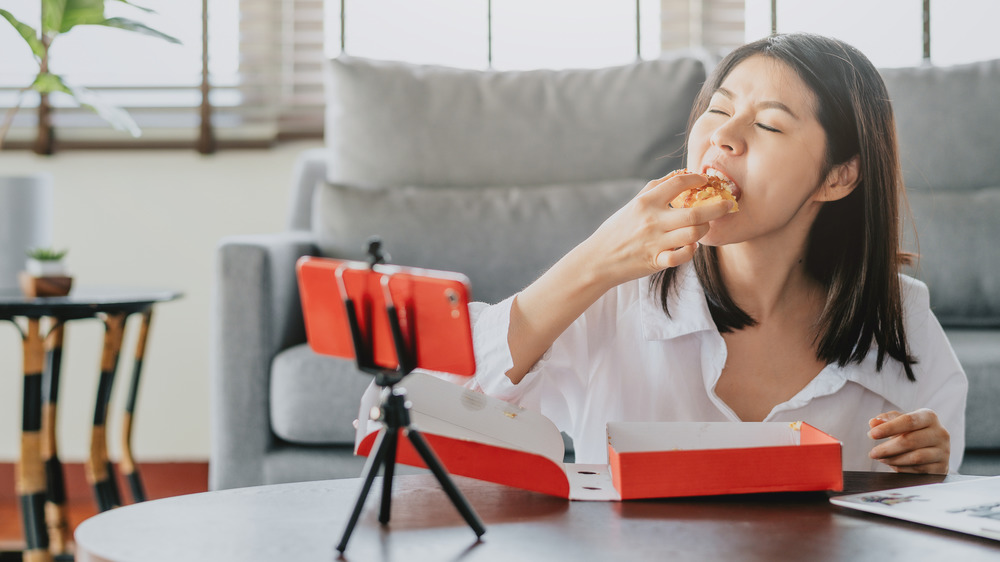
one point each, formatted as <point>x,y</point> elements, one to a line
<point>431,306</point>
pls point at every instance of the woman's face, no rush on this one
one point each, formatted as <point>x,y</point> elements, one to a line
<point>761,130</point>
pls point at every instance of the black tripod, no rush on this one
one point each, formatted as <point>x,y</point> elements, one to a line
<point>394,413</point>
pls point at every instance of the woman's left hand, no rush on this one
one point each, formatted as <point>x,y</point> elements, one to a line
<point>916,442</point>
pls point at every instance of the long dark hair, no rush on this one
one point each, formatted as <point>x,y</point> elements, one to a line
<point>854,245</point>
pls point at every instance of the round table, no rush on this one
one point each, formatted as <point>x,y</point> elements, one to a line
<point>39,475</point>
<point>304,521</point>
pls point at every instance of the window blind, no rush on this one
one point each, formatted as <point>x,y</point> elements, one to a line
<point>278,91</point>
<point>716,25</point>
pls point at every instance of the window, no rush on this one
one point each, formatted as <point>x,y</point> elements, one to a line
<point>502,34</point>
<point>158,82</point>
<point>889,32</point>
<point>266,56</point>
<point>964,31</point>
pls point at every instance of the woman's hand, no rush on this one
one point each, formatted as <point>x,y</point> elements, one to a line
<point>643,237</point>
<point>917,442</point>
<point>647,235</point>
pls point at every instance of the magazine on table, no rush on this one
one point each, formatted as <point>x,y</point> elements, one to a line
<point>968,506</point>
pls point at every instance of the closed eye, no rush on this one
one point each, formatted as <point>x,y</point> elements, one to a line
<point>767,128</point>
<point>717,111</point>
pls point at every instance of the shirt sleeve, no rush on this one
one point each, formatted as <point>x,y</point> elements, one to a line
<point>555,383</point>
<point>941,381</point>
<point>947,396</point>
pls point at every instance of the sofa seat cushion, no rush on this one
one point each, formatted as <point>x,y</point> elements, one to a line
<point>393,123</point>
<point>958,241</point>
<point>502,237</point>
<point>314,399</point>
<point>979,353</point>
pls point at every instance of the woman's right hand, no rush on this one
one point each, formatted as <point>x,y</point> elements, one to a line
<point>647,235</point>
<point>643,237</point>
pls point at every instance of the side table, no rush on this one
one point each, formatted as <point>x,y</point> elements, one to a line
<point>39,476</point>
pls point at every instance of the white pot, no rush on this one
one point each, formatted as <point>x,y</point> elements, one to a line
<point>25,222</point>
<point>45,268</point>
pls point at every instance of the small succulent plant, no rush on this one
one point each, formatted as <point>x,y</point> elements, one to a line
<point>46,254</point>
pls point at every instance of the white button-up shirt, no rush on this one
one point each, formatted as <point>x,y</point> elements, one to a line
<point>625,360</point>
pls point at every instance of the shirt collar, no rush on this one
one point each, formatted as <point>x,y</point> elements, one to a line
<point>689,314</point>
<point>890,383</point>
<point>688,307</point>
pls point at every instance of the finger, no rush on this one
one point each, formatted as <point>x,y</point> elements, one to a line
<point>674,258</point>
<point>883,417</point>
<point>707,212</point>
<point>682,236</point>
<point>921,460</point>
<point>662,191</point>
<point>917,457</point>
<point>904,423</point>
<point>910,441</point>
<point>932,469</point>
<point>656,182</point>
<point>938,468</point>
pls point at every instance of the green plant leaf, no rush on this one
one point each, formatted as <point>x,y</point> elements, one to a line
<point>46,254</point>
<point>52,16</point>
<point>131,25</point>
<point>27,33</point>
<point>138,7</point>
<point>46,83</point>
<point>116,116</point>
<point>80,12</point>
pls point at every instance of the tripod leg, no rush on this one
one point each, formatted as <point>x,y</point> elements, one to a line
<point>432,462</point>
<point>374,461</point>
<point>389,444</point>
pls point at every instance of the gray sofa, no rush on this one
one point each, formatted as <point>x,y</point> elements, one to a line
<point>497,175</point>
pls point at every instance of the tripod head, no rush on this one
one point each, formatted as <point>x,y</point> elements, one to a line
<point>376,255</point>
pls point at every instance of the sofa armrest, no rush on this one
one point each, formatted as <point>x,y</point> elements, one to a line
<point>256,314</point>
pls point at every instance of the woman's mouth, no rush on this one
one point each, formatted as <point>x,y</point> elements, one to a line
<point>727,182</point>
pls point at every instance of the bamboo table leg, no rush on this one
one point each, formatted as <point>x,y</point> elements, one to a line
<point>128,466</point>
<point>100,473</point>
<point>55,506</point>
<point>30,470</point>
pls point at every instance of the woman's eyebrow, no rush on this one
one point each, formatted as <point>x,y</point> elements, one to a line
<point>769,104</point>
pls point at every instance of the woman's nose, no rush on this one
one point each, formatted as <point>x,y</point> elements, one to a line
<point>728,138</point>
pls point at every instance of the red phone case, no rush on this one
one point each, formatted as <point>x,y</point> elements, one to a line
<point>432,307</point>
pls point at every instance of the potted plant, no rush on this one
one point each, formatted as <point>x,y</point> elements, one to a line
<point>45,273</point>
<point>59,17</point>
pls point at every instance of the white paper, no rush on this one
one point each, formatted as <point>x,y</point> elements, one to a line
<point>636,437</point>
<point>970,506</point>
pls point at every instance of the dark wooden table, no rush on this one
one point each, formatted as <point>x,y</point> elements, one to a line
<point>304,521</point>
<point>39,476</point>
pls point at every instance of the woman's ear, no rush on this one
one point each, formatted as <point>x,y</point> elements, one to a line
<point>841,180</point>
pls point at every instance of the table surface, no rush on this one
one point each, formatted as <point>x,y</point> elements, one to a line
<point>305,521</point>
<point>82,302</point>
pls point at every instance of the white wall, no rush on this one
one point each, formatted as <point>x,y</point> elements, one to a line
<point>145,219</point>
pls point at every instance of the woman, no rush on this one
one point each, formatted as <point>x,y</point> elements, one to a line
<point>790,309</point>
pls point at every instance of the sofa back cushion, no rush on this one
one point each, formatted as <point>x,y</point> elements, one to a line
<point>396,124</point>
<point>948,122</point>
<point>501,237</point>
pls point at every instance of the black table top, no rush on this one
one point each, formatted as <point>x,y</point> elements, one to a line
<point>304,521</point>
<point>83,302</point>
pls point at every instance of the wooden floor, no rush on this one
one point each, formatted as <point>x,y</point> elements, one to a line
<point>160,480</point>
